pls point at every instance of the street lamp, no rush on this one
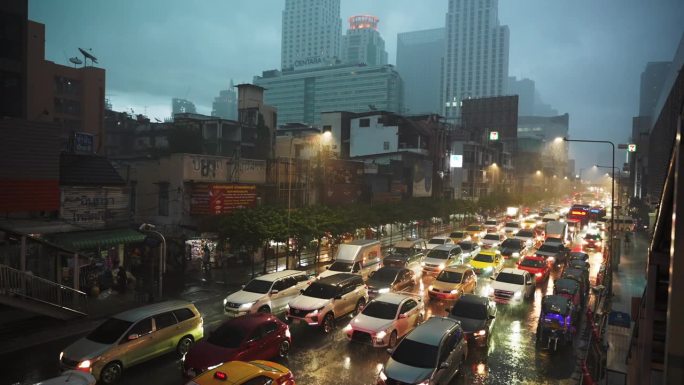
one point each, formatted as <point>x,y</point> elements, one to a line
<point>150,228</point>
<point>619,199</point>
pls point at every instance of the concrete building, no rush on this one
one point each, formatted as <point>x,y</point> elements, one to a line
<point>13,61</point>
<point>225,105</point>
<point>302,95</point>
<point>311,34</point>
<point>72,98</point>
<point>419,63</point>
<point>182,106</point>
<point>652,82</point>
<point>476,57</point>
<point>530,102</point>
<point>363,44</point>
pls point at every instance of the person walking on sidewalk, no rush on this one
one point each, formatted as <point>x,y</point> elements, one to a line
<point>122,280</point>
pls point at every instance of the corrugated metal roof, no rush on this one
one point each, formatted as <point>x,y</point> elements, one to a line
<point>87,170</point>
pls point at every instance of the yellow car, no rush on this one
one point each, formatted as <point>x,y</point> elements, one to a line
<point>476,231</point>
<point>529,224</point>
<point>487,262</point>
<point>239,372</point>
<point>459,235</point>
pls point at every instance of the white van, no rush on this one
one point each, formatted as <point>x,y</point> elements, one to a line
<point>551,218</point>
<point>360,256</point>
<point>556,229</point>
<point>268,293</point>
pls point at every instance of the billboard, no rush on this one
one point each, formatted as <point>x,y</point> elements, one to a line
<point>456,161</point>
<point>219,199</point>
<point>206,168</point>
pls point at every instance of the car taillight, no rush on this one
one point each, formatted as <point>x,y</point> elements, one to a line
<point>286,379</point>
<point>220,376</point>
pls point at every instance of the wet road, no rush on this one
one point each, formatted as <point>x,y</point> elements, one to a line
<point>511,358</point>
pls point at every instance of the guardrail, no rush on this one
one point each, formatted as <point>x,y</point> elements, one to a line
<point>18,283</point>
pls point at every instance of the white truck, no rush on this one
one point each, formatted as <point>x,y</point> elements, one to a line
<point>557,229</point>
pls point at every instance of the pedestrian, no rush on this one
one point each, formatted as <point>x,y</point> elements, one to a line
<point>122,280</point>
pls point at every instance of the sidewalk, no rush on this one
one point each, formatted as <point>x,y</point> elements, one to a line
<point>628,282</point>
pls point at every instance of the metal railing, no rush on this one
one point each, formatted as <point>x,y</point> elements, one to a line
<point>21,284</point>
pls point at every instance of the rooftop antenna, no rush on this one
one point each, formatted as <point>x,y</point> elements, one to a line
<point>87,55</point>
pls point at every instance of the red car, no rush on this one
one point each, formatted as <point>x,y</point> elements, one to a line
<point>592,241</point>
<point>259,336</point>
<point>539,267</point>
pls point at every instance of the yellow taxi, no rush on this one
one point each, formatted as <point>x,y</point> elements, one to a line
<point>487,262</point>
<point>459,235</point>
<point>529,223</point>
<point>476,231</point>
<point>239,372</point>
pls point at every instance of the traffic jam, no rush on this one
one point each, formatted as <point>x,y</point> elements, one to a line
<point>428,308</point>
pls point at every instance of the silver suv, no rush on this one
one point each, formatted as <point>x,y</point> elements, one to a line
<point>430,354</point>
<point>328,299</point>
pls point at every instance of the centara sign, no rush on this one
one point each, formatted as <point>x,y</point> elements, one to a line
<point>309,61</point>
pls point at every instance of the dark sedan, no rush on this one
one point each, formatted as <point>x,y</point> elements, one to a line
<point>390,279</point>
<point>259,336</point>
<point>556,253</point>
<point>512,248</point>
<point>477,316</point>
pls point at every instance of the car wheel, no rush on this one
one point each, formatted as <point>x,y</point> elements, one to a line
<point>184,345</point>
<point>392,340</point>
<point>111,373</point>
<point>328,323</point>
<point>264,309</point>
<point>359,306</point>
<point>284,348</point>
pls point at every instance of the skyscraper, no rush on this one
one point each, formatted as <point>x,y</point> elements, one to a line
<point>225,105</point>
<point>311,34</point>
<point>419,62</point>
<point>652,81</point>
<point>180,106</point>
<point>363,44</point>
<point>476,59</point>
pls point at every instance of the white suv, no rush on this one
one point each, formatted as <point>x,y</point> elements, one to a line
<point>512,285</point>
<point>328,299</point>
<point>269,293</point>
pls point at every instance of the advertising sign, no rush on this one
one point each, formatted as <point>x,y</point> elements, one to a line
<point>206,168</point>
<point>456,161</point>
<point>94,207</point>
<point>216,199</point>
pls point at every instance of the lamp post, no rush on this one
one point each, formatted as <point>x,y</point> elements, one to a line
<point>162,251</point>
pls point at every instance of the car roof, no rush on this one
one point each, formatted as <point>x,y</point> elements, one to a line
<point>139,313</point>
<point>445,247</point>
<point>278,275</point>
<point>362,242</point>
<point>237,372</point>
<point>393,298</point>
<point>432,331</point>
<point>409,243</point>
<point>440,237</point>
<point>250,321</point>
<point>457,268</point>
<point>488,252</point>
<point>337,279</point>
<point>511,270</point>
<point>472,298</point>
<point>392,268</point>
<point>534,257</point>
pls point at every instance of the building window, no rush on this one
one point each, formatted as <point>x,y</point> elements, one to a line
<point>364,122</point>
<point>385,146</point>
<point>163,199</point>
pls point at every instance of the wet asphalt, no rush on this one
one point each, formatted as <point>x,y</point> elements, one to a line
<point>513,357</point>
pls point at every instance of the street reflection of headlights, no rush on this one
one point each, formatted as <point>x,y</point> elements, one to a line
<point>384,290</point>
<point>517,295</point>
<point>380,335</point>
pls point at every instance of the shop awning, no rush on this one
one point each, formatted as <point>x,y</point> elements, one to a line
<point>95,239</point>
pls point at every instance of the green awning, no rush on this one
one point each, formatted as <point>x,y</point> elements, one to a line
<point>97,239</point>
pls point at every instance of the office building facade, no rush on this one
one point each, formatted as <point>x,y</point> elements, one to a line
<point>419,63</point>
<point>301,96</point>
<point>311,32</point>
<point>476,57</point>
<point>363,44</point>
<point>225,105</point>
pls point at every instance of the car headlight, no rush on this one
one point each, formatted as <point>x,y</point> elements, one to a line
<point>380,335</point>
<point>246,306</point>
<point>422,264</point>
<point>516,255</point>
<point>455,291</point>
<point>481,332</point>
<point>225,301</point>
<point>61,355</point>
<point>382,375</point>
<point>85,364</point>
<point>441,266</point>
<point>537,274</point>
<point>315,312</point>
<point>347,328</point>
<point>384,290</point>
<point>517,295</point>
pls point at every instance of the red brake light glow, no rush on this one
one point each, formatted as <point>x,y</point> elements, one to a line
<point>220,376</point>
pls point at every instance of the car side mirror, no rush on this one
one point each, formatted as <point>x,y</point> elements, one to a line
<point>274,291</point>
<point>132,337</point>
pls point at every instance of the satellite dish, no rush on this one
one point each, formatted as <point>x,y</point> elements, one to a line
<point>88,55</point>
<point>75,60</point>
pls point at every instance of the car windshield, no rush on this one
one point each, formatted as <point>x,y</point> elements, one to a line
<point>490,223</point>
<point>438,254</point>
<point>525,234</point>
<point>450,276</point>
<point>592,237</point>
<point>319,290</point>
<point>511,243</point>
<point>226,336</point>
<point>492,237</point>
<point>110,331</point>
<point>457,234</point>
<point>473,228</point>
<point>466,246</point>
<point>416,354</point>
<point>437,241</point>
<point>403,251</point>
<point>385,275</point>
<point>530,262</point>
<point>548,248</point>
<point>516,279</point>
<point>341,266</point>
<point>382,310</point>
<point>512,224</point>
<point>484,258</point>
<point>258,286</point>
<point>465,309</point>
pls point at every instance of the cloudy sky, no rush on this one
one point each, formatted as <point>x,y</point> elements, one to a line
<point>586,56</point>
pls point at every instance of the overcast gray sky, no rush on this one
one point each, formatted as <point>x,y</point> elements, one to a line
<point>586,56</point>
